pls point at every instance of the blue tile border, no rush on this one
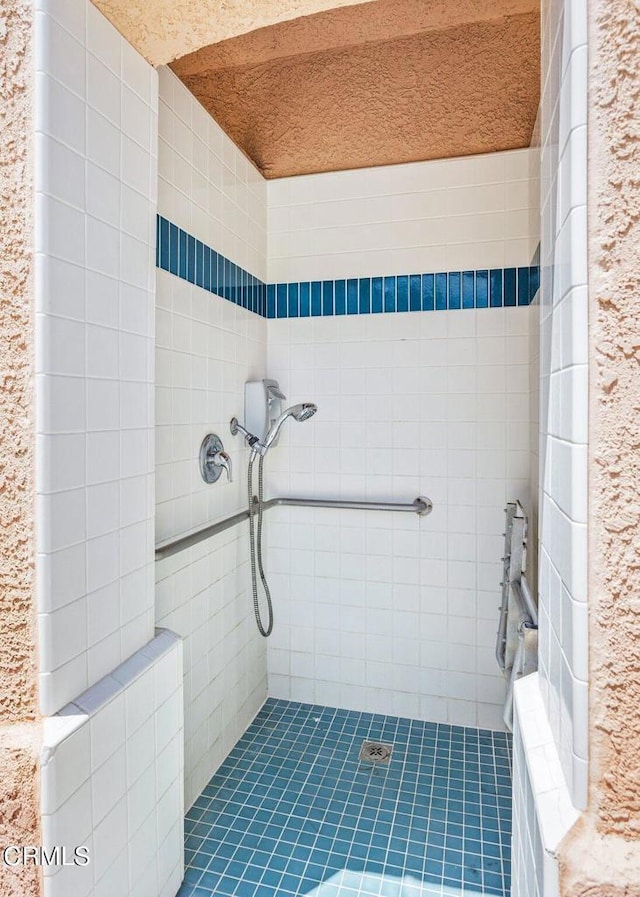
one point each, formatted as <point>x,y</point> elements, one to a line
<point>181,254</point>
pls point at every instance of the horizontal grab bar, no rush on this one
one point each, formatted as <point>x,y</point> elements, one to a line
<point>173,546</point>
<point>420,506</point>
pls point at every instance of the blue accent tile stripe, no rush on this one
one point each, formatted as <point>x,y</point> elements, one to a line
<point>468,292</point>
<point>510,289</point>
<point>402,295</point>
<point>340,297</point>
<point>376,295</point>
<point>389,294</point>
<point>294,304</point>
<point>327,297</point>
<point>352,297</point>
<point>428,292</point>
<point>498,288</point>
<point>415,298</point>
<point>364,298</point>
<point>482,289</point>
<point>316,299</point>
<point>441,291</point>
<point>454,289</point>
<point>181,254</point>
<point>305,300</point>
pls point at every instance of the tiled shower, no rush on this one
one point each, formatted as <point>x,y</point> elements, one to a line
<point>403,301</point>
<point>373,612</point>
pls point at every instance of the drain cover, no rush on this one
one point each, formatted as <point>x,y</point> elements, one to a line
<point>375,752</point>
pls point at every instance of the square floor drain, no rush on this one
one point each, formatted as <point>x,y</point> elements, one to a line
<point>375,752</point>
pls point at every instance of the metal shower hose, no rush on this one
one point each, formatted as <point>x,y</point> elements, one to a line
<point>256,555</point>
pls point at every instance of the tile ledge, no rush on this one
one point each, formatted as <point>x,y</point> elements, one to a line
<point>76,713</point>
<point>555,812</point>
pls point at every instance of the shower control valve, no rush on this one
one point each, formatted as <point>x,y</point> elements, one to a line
<point>214,459</point>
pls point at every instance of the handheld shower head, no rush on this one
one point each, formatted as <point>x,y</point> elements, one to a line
<point>303,411</point>
<point>300,412</point>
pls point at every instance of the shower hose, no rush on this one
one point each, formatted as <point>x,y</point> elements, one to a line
<point>255,544</point>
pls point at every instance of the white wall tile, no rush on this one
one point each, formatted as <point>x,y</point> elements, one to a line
<point>206,185</point>
<point>334,226</point>
<point>381,579</point>
<point>206,349</point>
<point>563,385</point>
<point>82,360</point>
<point>562,393</point>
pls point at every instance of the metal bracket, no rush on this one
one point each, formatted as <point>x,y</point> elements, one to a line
<point>423,506</point>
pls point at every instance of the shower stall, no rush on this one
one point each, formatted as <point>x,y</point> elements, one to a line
<point>380,607</point>
<point>383,210</point>
<point>353,741</point>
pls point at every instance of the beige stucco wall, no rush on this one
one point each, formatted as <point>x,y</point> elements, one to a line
<point>601,856</point>
<point>19,725</point>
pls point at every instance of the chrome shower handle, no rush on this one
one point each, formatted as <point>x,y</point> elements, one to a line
<point>223,460</point>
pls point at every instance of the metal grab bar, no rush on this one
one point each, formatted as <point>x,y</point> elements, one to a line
<point>420,506</point>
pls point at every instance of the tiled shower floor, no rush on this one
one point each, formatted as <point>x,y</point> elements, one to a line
<point>292,811</point>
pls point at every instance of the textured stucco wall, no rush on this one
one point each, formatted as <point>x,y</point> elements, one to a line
<point>601,856</point>
<point>163,30</point>
<point>20,746</point>
<point>19,725</point>
<point>450,92</point>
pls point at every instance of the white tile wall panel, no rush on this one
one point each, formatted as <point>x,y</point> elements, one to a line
<point>206,185</point>
<point>563,390</point>
<point>448,403</point>
<point>96,184</point>
<point>563,661</point>
<point>203,593</point>
<point>206,347</point>
<point>394,613</point>
<point>446,215</point>
<point>112,780</point>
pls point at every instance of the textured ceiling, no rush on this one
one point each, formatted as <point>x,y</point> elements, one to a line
<point>373,84</point>
<point>318,85</point>
<point>163,30</point>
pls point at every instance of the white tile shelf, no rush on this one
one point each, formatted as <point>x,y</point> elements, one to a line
<point>112,779</point>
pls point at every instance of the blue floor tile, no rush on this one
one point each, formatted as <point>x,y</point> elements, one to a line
<point>293,812</point>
